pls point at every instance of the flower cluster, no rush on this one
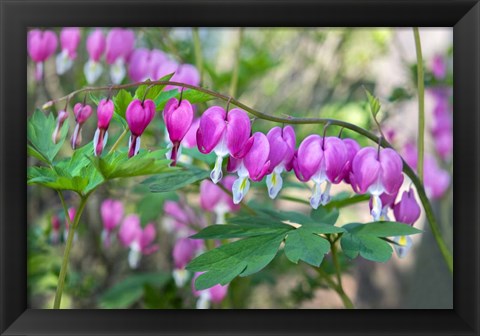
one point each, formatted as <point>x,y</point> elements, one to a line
<point>130,234</point>
<point>117,46</point>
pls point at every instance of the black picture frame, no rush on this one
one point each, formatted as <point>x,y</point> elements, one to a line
<point>17,15</point>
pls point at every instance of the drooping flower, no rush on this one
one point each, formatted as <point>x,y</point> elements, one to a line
<point>139,241</point>
<point>442,129</point>
<point>439,67</point>
<point>224,133</point>
<point>112,213</point>
<point>436,180</point>
<point>62,116</point>
<point>139,114</point>
<point>215,294</point>
<point>352,149</point>
<point>253,166</point>
<point>95,47</point>
<point>178,117</point>
<point>167,67</point>
<point>120,44</point>
<point>376,171</point>
<point>69,40</point>
<point>184,250</point>
<point>144,64</point>
<point>282,149</point>
<point>55,230</point>
<point>387,203</point>
<point>407,211</point>
<point>178,219</point>
<point>186,74</point>
<point>213,198</point>
<point>41,45</point>
<point>82,112</point>
<point>104,113</point>
<point>320,159</point>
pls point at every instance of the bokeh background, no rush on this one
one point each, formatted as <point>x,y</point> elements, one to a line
<point>281,71</point>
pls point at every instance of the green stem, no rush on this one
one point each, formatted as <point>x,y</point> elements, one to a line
<point>198,52</point>
<point>300,121</point>
<point>236,65</point>
<point>421,103</point>
<point>117,143</point>
<point>343,296</point>
<point>68,247</point>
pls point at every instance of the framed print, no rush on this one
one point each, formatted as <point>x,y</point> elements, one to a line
<point>249,167</point>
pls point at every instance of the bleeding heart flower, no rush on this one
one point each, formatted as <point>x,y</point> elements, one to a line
<point>104,113</point>
<point>69,40</point>
<point>144,64</point>
<point>178,117</point>
<point>407,211</point>
<point>120,44</point>
<point>352,149</point>
<point>184,250</point>
<point>387,203</point>
<point>41,45</point>
<point>139,241</point>
<point>95,47</point>
<point>282,149</point>
<point>254,166</point>
<point>215,294</point>
<point>139,114</point>
<point>376,171</point>
<point>62,116</point>
<point>213,198</point>
<point>187,74</point>
<point>439,67</point>
<point>320,160</point>
<point>111,212</point>
<point>82,112</point>
<point>224,133</point>
<point>436,180</point>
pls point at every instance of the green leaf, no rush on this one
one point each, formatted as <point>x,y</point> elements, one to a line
<point>154,90</point>
<point>367,240</point>
<point>175,180</point>
<point>128,291</point>
<point>303,244</point>
<point>323,215</point>
<point>121,101</point>
<point>39,133</point>
<point>57,179</point>
<point>193,96</point>
<point>373,102</point>
<point>242,257</point>
<point>250,228</point>
<point>117,164</point>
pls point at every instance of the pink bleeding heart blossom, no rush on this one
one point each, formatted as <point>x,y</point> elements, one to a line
<point>139,114</point>
<point>186,74</point>
<point>387,203</point>
<point>62,116</point>
<point>139,241</point>
<point>167,67</point>
<point>120,44</point>
<point>282,149</point>
<point>111,212</point>
<point>215,294</point>
<point>55,230</point>
<point>82,112</point>
<point>184,250</point>
<point>40,46</point>
<point>439,67</point>
<point>178,117</point>
<point>436,180</point>
<point>322,160</point>
<point>179,217</point>
<point>254,166</point>
<point>104,114</point>
<point>376,171</point>
<point>144,64</point>
<point>352,149</point>
<point>407,211</point>
<point>96,43</point>
<point>69,40</point>
<point>442,129</point>
<point>213,198</point>
<point>190,139</point>
<point>224,133</point>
